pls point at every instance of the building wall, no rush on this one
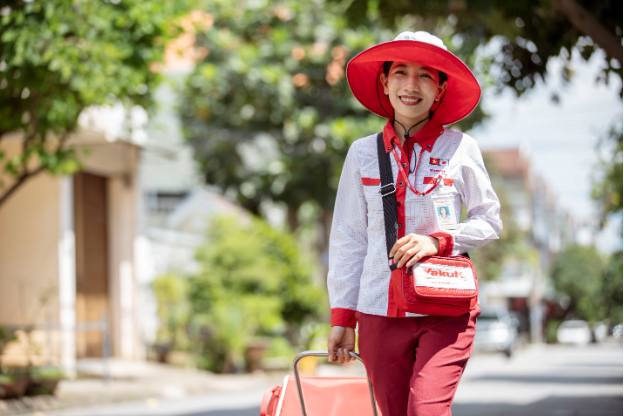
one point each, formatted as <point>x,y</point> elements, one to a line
<point>29,234</point>
<point>38,256</point>
<point>29,264</point>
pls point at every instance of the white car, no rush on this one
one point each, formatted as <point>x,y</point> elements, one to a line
<point>496,330</point>
<point>574,332</point>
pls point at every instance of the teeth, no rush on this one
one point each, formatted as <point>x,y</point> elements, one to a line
<point>410,100</point>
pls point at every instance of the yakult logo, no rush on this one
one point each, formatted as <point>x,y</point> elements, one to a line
<point>434,273</point>
<point>443,276</point>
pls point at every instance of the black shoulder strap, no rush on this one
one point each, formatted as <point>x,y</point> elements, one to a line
<point>388,196</point>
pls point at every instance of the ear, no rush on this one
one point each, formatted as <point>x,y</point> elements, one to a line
<point>441,89</point>
<point>384,82</point>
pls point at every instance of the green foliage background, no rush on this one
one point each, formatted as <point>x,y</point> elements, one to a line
<point>59,57</point>
<point>254,282</point>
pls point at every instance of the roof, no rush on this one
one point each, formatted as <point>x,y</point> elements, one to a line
<point>508,162</point>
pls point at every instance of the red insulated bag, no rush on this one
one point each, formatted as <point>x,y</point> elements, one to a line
<point>440,286</point>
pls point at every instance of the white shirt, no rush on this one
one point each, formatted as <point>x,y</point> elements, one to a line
<point>359,276</point>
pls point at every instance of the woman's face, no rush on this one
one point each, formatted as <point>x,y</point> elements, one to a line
<point>412,89</point>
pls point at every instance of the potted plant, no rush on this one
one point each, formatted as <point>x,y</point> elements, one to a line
<point>6,335</point>
<point>170,292</point>
<point>44,380</point>
<point>12,385</point>
<point>253,354</point>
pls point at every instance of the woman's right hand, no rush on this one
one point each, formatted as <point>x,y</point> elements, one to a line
<point>341,340</point>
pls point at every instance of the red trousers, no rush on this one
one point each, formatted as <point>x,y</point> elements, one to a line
<point>415,363</point>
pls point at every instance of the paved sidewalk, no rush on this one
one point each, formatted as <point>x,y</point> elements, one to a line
<point>136,381</point>
<point>539,380</point>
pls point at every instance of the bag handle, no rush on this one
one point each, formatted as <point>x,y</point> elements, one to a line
<point>325,354</point>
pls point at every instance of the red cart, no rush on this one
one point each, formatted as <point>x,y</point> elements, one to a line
<point>320,396</point>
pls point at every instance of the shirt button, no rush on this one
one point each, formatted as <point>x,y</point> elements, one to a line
<point>400,183</point>
<point>388,147</point>
<point>404,164</point>
<point>400,225</point>
<point>428,146</point>
<point>398,204</point>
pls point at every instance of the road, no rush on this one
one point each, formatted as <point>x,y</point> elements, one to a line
<point>538,381</point>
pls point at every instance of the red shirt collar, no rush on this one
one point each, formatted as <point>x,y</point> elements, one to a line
<point>425,137</point>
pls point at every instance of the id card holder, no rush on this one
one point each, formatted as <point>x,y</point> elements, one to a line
<point>444,208</point>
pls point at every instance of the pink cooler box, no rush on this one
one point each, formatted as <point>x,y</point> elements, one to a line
<point>320,396</point>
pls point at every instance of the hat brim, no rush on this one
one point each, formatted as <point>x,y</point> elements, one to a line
<point>462,92</point>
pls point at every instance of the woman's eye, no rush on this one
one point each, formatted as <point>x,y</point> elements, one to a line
<point>427,75</point>
<point>400,71</point>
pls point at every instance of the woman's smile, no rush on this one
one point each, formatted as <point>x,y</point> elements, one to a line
<point>410,100</point>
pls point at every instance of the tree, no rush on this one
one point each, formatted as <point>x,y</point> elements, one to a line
<point>268,111</point>
<point>579,272</point>
<point>59,57</point>
<point>517,38</point>
<point>607,190</point>
<point>253,281</point>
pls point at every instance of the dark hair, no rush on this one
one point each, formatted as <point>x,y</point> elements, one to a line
<point>388,64</point>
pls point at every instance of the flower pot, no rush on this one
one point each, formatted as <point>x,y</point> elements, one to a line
<point>253,355</point>
<point>12,387</point>
<point>41,386</point>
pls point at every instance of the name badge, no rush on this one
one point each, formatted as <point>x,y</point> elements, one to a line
<point>445,213</point>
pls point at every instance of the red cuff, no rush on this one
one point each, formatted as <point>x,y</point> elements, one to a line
<point>343,317</point>
<point>446,243</point>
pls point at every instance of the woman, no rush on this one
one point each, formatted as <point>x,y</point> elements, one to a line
<point>414,361</point>
<point>444,214</point>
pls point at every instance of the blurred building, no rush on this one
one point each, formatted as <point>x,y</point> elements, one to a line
<point>521,287</point>
<point>67,256</point>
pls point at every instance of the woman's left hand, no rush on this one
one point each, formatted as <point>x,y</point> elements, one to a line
<point>413,247</point>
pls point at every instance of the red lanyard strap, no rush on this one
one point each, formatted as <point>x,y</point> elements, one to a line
<point>438,178</point>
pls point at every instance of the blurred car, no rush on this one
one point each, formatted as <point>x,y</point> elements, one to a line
<point>617,331</point>
<point>496,330</point>
<point>574,332</point>
<point>600,331</point>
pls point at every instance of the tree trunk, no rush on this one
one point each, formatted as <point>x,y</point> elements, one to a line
<point>324,228</point>
<point>20,181</point>
<point>586,23</point>
<point>293,220</point>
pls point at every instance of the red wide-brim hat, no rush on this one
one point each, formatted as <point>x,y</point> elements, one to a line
<point>462,91</point>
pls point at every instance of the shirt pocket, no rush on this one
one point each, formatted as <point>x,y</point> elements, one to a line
<point>372,195</point>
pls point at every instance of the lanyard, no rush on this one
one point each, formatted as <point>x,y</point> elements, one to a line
<point>406,177</point>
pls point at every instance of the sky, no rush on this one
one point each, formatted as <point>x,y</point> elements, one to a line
<point>561,138</point>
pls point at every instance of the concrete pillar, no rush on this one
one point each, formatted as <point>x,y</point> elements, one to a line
<point>67,276</point>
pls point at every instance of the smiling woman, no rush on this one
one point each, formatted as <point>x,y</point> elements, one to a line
<point>412,89</point>
<point>415,358</point>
